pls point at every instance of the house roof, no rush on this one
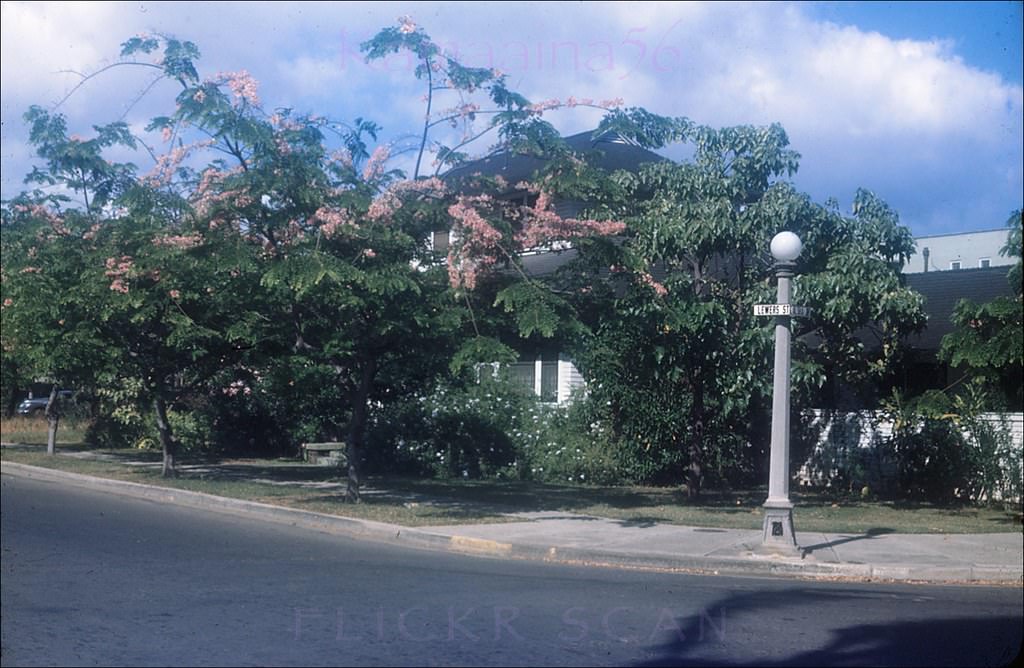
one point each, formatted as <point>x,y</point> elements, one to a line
<point>608,152</point>
<point>943,289</point>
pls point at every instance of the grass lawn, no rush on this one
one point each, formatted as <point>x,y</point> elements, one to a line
<point>20,429</point>
<point>424,502</point>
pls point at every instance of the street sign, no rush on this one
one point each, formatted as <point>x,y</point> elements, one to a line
<point>783,309</point>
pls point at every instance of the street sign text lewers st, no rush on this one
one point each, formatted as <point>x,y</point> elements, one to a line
<point>783,309</point>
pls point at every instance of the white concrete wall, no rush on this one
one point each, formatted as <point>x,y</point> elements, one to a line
<point>854,439</point>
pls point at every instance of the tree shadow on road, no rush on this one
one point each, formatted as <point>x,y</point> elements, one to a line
<point>706,639</point>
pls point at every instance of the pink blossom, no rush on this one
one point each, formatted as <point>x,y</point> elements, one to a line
<point>391,200</point>
<point>283,147</point>
<point>375,165</point>
<point>648,280</point>
<point>540,107</point>
<point>167,134</point>
<point>55,222</point>
<point>369,253</point>
<point>199,96</point>
<point>31,270</point>
<point>174,294</point>
<point>542,226</point>
<point>91,234</point>
<point>479,243</point>
<point>167,164</point>
<point>405,25</point>
<point>343,157</point>
<point>242,86</point>
<point>118,270</point>
<point>333,220</point>
<point>8,301</point>
<point>205,200</point>
<point>383,206</point>
<point>611,104</point>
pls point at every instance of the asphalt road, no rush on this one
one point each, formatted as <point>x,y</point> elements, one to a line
<point>91,578</point>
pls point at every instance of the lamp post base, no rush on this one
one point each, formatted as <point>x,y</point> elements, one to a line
<point>778,536</point>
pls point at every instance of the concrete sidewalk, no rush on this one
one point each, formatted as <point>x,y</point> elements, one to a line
<point>927,557</point>
<point>582,540</point>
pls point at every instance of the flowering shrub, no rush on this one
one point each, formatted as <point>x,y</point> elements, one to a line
<point>492,429</point>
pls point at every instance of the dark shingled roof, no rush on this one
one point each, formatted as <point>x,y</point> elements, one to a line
<point>608,152</point>
<point>943,289</point>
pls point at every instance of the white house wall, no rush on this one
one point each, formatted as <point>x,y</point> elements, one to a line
<point>569,379</point>
<point>967,248</point>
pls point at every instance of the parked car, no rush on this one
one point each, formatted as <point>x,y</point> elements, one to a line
<point>37,405</point>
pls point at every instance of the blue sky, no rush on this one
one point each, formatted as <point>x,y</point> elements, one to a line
<point>921,102</point>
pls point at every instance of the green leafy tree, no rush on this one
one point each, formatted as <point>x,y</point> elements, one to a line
<point>988,341</point>
<point>48,333</point>
<point>48,244</point>
<point>662,319</point>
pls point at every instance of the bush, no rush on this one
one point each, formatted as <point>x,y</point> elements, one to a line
<point>492,429</point>
<point>933,461</point>
<point>456,431</point>
<point>996,464</point>
<point>946,450</point>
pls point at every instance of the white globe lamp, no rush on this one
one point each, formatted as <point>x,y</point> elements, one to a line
<point>786,247</point>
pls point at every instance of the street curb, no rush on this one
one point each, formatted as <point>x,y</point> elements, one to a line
<point>756,566</point>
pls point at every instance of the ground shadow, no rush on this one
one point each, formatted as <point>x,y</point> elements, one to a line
<point>867,535</point>
<point>713,636</point>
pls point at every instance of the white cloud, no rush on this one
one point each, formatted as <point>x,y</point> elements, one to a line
<point>907,118</point>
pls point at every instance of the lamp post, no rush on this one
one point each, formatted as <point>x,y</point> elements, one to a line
<point>778,509</point>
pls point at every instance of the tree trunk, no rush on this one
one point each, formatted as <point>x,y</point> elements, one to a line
<point>167,442</point>
<point>357,428</point>
<point>52,420</point>
<point>694,472</point>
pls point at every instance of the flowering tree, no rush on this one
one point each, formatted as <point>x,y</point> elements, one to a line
<point>478,102</point>
<point>335,236</point>
<point>242,197</point>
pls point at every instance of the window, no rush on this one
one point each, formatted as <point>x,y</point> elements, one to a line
<point>984,263</point>
<point>440,241</point>
<point>549,379</point>
<point>523,373</point>
<point>538,374</point>
<point>955,264</point>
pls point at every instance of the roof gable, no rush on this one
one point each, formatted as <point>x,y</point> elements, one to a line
<point>608,152</point>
